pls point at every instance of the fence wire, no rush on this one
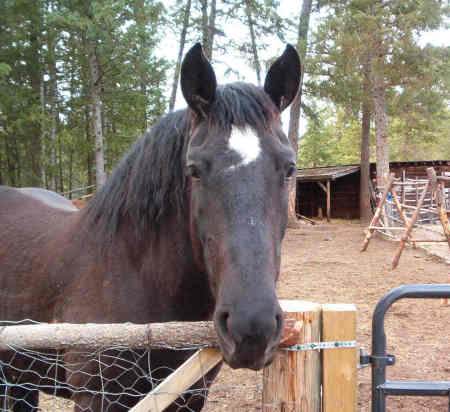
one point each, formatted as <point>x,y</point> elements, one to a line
<point>107,379</point>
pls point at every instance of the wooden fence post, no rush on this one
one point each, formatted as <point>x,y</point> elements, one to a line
<point>410,226</point>
<point>378,213</point>
<point>292,382</point>
<point>438,195</point>
<point>339,365</point>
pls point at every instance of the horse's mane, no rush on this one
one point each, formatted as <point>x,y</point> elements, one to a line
<point>149,182</point>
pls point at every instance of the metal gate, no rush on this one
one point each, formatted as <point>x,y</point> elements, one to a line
<point>379,359</point>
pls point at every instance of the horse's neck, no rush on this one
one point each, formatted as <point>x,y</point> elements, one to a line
<point>158,275</point>
<point>171,268</point>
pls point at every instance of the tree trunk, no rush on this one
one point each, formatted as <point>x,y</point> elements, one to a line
<point>141,55</point>
<point>59,166</point>
<point>105,127</point>
<point>205,36</point>
<point>211,28</point>
<point>1,167</point>
<point>89,160</point>
<point>53,113</point>
<point>294,120</point>
<point>100,175</point>
<point>35,72</point>
<point>70,182</point>
<point>364,200</point>
<point>406,150</point>
<point>43,136</point>
<point>187,14</point>
<point>10,159</point>
<point>248,11</point>
<point>381,132</point>
<point>208,27</point>
<point>3,154</point>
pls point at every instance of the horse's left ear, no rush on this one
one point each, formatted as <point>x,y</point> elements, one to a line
<point>283,78</point>
<point>198,81</point>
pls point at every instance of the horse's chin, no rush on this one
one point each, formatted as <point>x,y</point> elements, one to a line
<point>239,361</point>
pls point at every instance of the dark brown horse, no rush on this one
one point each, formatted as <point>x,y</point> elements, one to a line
<point>188,227</point>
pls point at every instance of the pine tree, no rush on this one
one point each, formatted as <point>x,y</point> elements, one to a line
<point>369,49</point>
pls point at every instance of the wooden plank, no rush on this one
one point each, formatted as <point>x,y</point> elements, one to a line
<point>387,227</point>
<point>427,240</point>
<point>444,178</point>
<point>322,186</point>
<point>421,209</point>
<point>339,365</point>
<point>292,382</point>
<point>400,211</point>
<point>409,228</point>
<point>439,197</point>
<point>306,218</point>
<point>403,187</point>
<point>328,200</point>
<point>179,381</point>
<point>377,214</point>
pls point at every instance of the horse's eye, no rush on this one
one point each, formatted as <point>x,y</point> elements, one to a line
<point>194,171</point>
<point>290,171</point>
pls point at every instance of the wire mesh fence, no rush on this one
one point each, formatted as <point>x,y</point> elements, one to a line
<point>110,378</point>
<point>69,367</point>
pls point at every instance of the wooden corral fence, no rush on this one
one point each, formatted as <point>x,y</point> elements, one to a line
<point>314,369</point>
<point>395,214</point>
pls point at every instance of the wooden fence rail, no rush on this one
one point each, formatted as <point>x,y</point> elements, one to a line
<point>384,216</point>
<point>301,378</point>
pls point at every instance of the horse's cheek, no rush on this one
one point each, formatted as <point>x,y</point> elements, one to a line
<point>211,256</point>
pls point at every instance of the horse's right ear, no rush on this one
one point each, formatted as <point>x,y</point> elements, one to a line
<point>198,81</point>
<point>283,78</point>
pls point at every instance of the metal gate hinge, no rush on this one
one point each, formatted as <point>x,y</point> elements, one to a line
<point>365,359</point>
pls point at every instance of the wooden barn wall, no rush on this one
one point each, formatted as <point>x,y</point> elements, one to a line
<point>345,190</point>
<point>344,198</point>
<point>412,171</point>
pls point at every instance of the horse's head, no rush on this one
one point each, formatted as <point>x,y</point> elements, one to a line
<point>239,163</point>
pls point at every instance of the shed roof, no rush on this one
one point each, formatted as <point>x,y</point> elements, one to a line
<point>325,173</point>
<point>315,174</point>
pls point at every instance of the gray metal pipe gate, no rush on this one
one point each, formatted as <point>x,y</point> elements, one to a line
<point>379,359</point>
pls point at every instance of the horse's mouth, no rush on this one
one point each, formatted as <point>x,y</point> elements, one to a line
<point>248,356</point>
<point>239,361</point>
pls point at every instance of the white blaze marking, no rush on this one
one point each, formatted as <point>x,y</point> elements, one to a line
<point>245,143</point>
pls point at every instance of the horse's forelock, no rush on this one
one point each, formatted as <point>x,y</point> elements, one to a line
<point>242,105</point>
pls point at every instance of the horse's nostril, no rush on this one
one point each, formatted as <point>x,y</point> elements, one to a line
<point>280,324</point>
<point>279,318</point>
<point>222,323</point>
<point>223,320</point>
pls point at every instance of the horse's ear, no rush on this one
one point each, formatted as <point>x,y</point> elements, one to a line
<point>283,78</point>
<point>198,81</point>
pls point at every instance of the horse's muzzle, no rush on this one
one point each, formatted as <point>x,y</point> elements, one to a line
<point>249,338</point>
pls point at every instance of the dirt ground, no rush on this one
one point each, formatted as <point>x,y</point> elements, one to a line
<point>323,264</point>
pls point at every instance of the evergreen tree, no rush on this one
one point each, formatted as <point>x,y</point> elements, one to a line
<point>120,37</point>
<point>385,34</point>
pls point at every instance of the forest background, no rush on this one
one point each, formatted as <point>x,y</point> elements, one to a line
<point>80,80</point>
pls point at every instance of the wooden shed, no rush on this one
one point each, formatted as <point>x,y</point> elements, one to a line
<point>333,191</point>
